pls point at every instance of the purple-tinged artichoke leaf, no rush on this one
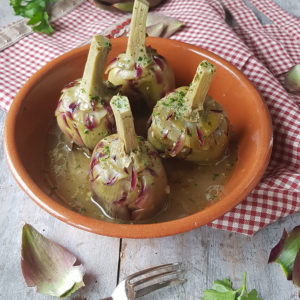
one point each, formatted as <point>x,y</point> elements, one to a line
<point>170,24</point>
<point>48,266</point>
<point>155,30</point>
<point>153,3</point>
<point>285,252</point>
<point>121,5</point>
<point>277,248</point>
<point>104,5</point>
<point>292,79</point>
<point>296,272</point>
<point>172,28</point>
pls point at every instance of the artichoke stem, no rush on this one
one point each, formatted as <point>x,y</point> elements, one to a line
<point>136,42</point>
<point>124,121</point>
<point>197,91</point>
<point>92,80</point>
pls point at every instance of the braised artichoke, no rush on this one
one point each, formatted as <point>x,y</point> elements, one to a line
<point>83,112</point>
<point>141,72</point>
<point>188,123</point>
<point>127,177</point>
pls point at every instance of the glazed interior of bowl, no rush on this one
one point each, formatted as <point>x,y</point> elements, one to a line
<point>33,108</point>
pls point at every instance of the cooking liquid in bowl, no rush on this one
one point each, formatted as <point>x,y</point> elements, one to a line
<point>192,186</point>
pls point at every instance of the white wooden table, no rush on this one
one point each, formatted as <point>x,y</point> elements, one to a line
<point>206,253</point>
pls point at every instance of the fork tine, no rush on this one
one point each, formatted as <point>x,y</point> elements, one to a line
<point>156,276</point>
<point>151,288</point>
<point>152,269</point>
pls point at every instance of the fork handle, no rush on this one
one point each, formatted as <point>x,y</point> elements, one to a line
<point>108,298</point>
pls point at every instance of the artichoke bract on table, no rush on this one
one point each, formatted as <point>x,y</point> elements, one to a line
<point>83,112</point>
<point>128,180</point>
<point>121,5</point>
<point>188,123</point>
<point>144,75</point>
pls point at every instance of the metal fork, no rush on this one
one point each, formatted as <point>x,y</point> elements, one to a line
<point>147,281</point>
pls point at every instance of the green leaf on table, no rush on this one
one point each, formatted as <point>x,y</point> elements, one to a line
<point>49,266</point>
<point>222,290</point>
<point>224,285</point>
<point>244,294</point>
<point>36,12</point>
<point>251,296</point>
<point>284,253</point>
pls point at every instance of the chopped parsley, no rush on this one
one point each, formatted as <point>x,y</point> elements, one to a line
<point>215,176</point>
<point>144,60</point>
<point>108,44</point>
<point>120,102</point>
<point>176,102</point>
<point>95,98</point>
<point>107,150</point>
<point>206,64</point>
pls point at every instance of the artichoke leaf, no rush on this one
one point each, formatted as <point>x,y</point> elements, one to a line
<point>49,266</point>
<point>120,5</point>
<point>159,25</point>
<point>285,252</point>
<point>124,6</point>
<point>296,272</point>
<point>155,30</point>
<point>292,79</point>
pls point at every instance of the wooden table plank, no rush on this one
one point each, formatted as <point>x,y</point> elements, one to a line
<point>98,254</point>
<point>209,254</point>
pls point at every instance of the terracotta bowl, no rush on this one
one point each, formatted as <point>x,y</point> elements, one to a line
<point>33,108</point>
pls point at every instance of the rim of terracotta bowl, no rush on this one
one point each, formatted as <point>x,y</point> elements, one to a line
<point>152,230</point>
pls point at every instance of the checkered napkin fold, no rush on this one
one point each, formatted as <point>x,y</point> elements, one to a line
<point>262,52</point>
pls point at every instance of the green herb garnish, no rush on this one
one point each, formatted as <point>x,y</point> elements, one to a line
<point>222,290</point>
<point>215,176</point>
<point>107,150</point>
<point>36,12</point>
<point>95,98</point>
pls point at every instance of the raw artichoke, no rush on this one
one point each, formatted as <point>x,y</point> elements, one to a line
<point>292,79</point>
<point>189,124</point>
<point>127,177</point>
<point>83,112</point>
<point>49,266</point>
<point>142,73</point>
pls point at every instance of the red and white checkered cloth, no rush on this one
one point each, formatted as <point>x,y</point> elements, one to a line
<point>262,52</point>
